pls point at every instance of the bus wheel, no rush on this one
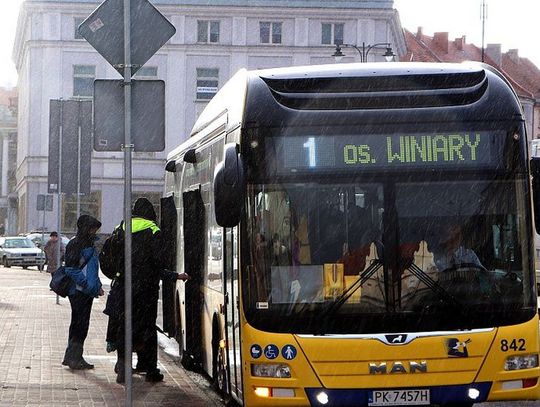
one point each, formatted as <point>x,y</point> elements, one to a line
<point>219,372</point>
<point>188,362</point>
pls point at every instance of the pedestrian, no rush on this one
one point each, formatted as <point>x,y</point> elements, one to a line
<point>54,247</point>
<point>82,265</point>
<point>148,268</point>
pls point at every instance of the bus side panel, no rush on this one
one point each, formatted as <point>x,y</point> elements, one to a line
<point>512,341</point>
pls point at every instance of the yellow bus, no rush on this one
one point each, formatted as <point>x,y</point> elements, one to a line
<point>357,235</point>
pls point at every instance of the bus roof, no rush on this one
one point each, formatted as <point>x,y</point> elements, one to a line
<point>359,93</point>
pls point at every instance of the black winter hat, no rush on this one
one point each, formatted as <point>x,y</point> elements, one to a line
<point>143,208</point>
<point>87,222</point>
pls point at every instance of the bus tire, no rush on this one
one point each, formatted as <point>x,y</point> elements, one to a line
<point>188,362</point>
<point>219,371</point>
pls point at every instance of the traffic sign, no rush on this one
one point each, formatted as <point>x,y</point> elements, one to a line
<point>70,135</point>
<point>147,115</point>
<point>104,30</point>
<point>44,202</point>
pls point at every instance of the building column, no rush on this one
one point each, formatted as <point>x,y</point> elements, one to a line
<point>5,169</point>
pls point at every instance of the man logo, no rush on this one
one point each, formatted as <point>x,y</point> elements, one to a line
<point>398,367</point>
<point>401,338</point>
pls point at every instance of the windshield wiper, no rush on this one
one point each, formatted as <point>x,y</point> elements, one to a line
<point>436,288</point>
<point>413,268</point>
<point>342,299</point>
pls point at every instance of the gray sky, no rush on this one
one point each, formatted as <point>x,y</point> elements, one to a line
<point>9,10</point>
<point>511,23</point>
<point>514,24</point>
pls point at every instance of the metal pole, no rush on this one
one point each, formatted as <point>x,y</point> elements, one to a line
<point>483,14</point>
<point>127,199</point>
<point>59,204</point>
<point>363,52</point>
<point>43,233</point>
<point>79,161</point>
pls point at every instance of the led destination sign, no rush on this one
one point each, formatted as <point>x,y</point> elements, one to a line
<point>466,149</point>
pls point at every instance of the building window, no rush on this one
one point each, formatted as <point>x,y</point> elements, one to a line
<point>270,32</point>
<point>207,31</point>
<point>22,214</point>
<point>147,72</point>
<point>89,205</point>
<point>207,83</point>
<point>76,22</point>
<point>332,33</point>
<point>83,80</point>
<point>12,162</point>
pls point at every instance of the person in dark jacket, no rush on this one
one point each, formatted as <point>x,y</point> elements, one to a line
<point>148,267</point>
<point>82,266</point>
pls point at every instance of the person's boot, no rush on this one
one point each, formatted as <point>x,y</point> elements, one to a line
<point>140,369</point>
<point>121,377</point>
<point>154,376</point>
<point>80,365</point>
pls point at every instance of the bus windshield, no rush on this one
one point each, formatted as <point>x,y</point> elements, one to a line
<point>412,248</point>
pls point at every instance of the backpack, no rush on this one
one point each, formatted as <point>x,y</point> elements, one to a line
<point>60,282</point>
<point>111,258</point>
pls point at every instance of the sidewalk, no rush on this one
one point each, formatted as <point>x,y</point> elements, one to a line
<point>33,336</point>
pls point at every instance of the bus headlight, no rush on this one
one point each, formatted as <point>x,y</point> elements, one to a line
<point>270,370</point>
<point>521,362</point>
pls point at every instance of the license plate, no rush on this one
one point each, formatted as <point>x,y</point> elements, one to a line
<point>409,397</point>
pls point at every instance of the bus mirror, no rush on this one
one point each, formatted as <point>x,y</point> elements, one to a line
<point>229,187</point>
<point>171,166</point>
<point>535,172</point>
<point>190,156</point>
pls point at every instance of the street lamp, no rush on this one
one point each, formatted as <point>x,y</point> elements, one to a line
<point>364,51</point>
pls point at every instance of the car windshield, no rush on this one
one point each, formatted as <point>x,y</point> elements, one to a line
<point>19,243</point>
<point>37,238</point>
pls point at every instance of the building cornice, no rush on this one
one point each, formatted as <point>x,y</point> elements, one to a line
<point>351,4</point>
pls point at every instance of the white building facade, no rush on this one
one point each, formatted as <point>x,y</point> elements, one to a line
<point>211,43</point>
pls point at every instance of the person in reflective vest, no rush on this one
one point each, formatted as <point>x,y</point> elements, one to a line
<point>148,268</point>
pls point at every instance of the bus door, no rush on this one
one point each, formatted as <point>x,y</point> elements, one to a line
<point>232,314</point>
<point>168,233</point>
<point>194,257</point>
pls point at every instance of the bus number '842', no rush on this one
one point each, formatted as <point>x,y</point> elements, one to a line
<point>514,344</point>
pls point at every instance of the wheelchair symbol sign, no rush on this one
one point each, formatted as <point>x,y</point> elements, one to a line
<point>288,352</point>
<point>271,351</point>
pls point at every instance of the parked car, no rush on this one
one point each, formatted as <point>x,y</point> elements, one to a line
<point>36,238</point>
<point>20,251</point>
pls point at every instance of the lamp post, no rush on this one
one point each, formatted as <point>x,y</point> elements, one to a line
<point>364,51</point>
